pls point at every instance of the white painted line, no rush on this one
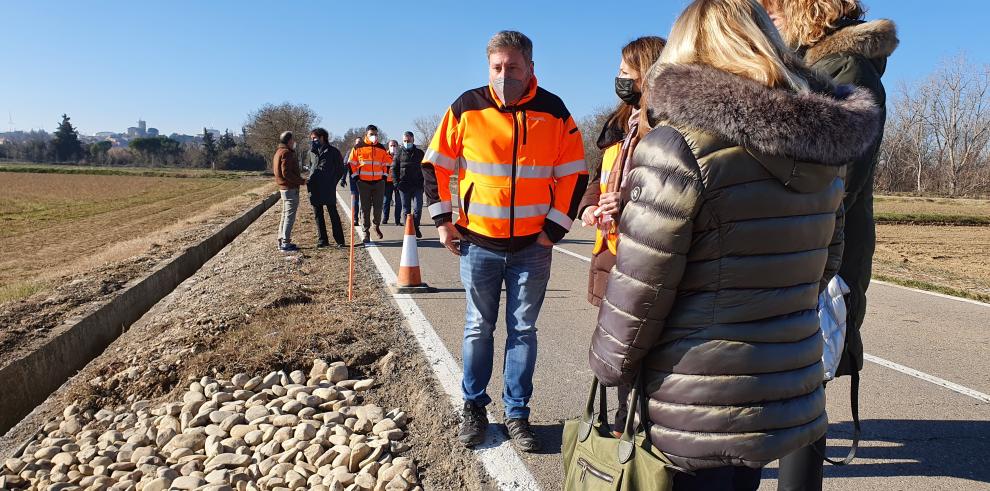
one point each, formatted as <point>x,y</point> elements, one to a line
<point>572,254</point>
<point>934,294</point>
<point>497,456</point>
<point>966,391</point>
<point>880,361</point>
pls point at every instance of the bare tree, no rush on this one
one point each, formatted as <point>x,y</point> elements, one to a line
<point>425,127</point>
<point>591,126</point>
<point>959,118</point>
<point>264,125</point>
<point>940,129</point>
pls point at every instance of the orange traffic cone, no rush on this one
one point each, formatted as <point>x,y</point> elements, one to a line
<point>410,280</point>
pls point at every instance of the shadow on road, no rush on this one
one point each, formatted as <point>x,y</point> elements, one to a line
<point>916,447</point>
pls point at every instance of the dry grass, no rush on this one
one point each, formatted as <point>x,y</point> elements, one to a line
<point>910,205</point>
<point>54,225</point>
<point>945,258</point>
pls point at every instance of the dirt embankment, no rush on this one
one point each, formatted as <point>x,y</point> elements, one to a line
<point>252,310</point>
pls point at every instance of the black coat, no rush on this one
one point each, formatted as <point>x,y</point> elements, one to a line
<point>856,53</point>
<point>407,169</point>
<point>328,170</point>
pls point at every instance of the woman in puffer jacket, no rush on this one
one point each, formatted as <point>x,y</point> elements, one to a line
<point>600,204</point>
<point>728,223</point>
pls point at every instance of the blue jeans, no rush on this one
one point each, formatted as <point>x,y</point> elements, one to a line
<point>525,274</point>
<point>392,195</point>
<point>408,197</point>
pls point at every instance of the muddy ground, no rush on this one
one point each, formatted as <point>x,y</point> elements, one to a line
<point>251,309</point>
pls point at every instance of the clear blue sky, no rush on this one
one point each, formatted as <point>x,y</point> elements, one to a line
<point>183,65</point>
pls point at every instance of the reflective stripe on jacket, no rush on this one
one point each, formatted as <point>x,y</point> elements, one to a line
<point>369,161</point>
<point>520,170</point>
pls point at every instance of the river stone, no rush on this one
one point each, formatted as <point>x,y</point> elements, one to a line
<point>255,413</point>
<point>285,420</point>
<point>191,440</point>
<point>188,482</point>
<point>15,465</point>
<point>240,380</point>
<point>319,368</point>
<point>305,431</point>
<point>159,484</point>
<point>297,377</point>
<point>253,383</point>
<point>363,385</point>
<point>337,373</point>
<point>227,460</point>
<point>239,431</point>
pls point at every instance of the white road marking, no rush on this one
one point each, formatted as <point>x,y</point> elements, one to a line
<point>497,455</point>
<point>966,391</point>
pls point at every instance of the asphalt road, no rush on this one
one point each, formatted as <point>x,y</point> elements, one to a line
<point>917,435</point>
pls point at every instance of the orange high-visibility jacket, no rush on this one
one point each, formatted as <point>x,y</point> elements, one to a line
<point>611,239</point>
<point>369,161</point>
<point>520,169</point>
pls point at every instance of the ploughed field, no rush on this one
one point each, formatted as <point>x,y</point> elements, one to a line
<point>940,244</point>
<point>70,241</point>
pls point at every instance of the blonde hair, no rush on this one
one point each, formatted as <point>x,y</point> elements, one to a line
<point>736,36</point>
<point>808,21</point>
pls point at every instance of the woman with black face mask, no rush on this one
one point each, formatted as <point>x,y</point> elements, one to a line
<point>600,206</point>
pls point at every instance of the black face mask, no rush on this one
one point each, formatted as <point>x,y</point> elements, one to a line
<point>625,88</point>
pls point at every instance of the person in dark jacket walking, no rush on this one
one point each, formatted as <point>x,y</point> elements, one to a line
<point>391,192</point>
<point>600,206</point>
<point>833,39</point>
<point>407,172</point>
<point>729,221</point>
<point>327,169</point>
<point>285,166</point>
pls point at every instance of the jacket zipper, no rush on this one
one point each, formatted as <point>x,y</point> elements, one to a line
<point>587,468</point>
<point>512,184</point>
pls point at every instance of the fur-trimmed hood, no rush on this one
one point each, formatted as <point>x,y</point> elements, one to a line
<point>874,40</point>
<point>829,125</point>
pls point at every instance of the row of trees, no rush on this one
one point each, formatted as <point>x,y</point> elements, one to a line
<point>64,146</point>
<point>937,139</point>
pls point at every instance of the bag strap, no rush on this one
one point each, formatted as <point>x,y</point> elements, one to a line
<point>857,430</point>
<point>589,416</point>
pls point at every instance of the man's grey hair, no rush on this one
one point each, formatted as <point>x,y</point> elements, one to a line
<point>409,134</point>
<point>285,137</point>
<point>516,40</point>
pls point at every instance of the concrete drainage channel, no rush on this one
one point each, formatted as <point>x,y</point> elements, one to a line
<point>29,380</point>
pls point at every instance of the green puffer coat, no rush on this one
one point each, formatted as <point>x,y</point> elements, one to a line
<point>856,53</point>
<point>729,228</point>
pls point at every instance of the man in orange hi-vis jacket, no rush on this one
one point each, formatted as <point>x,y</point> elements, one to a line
<point>519,165</point>
<point>369,162</point>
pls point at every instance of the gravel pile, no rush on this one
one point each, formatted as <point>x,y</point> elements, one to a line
<point>274,432</point>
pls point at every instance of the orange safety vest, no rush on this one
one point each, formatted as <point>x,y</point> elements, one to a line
<point>609,158</point>
<point>369,162</point>
<point>518,168</point>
